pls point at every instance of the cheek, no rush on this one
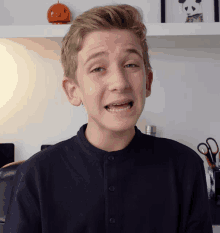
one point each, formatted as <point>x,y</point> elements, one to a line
<point>140,83</point>
<point>92,93</point>
<point>89,88</point>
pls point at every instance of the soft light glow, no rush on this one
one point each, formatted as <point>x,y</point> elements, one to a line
<point>8,76</point>
<point>14,60</point>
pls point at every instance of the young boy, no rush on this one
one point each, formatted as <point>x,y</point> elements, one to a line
<point>110,177</point>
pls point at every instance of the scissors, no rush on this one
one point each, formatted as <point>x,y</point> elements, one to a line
<point>210,155</point>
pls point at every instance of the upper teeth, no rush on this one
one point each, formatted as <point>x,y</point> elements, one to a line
<point>121,103</point>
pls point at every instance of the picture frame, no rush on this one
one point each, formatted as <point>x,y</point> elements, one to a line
<point>218,10</point>
<point>190,11</point>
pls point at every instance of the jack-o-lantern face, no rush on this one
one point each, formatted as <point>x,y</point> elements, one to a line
<point>58,14</point>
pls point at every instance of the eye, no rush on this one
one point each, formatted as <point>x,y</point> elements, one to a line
<point>132,64</point>
<point>96,69</point>
<point>102,68</point>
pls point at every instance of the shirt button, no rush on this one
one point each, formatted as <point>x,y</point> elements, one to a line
<point>112,188</point>
<point>111,157</point>
<point>112,220</point>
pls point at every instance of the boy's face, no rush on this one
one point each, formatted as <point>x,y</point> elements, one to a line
<point>108,78</point>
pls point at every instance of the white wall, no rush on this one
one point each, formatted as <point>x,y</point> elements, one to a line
<point>184,104</point>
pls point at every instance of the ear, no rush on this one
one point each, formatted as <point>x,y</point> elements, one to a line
<point>72,91</point>
<point>149,81</point>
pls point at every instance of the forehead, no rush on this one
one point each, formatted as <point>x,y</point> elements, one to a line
<point>109,39</point>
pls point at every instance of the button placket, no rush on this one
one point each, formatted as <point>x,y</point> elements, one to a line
<point>111,188</point>
<point>111,158</point>
<point>112,220</point>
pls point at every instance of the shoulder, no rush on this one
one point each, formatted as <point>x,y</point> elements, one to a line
<point>182,154</point>
<point>169,149</point>
<point>45,159</point>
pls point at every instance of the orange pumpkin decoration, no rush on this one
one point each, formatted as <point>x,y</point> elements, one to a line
<point>58,14</point>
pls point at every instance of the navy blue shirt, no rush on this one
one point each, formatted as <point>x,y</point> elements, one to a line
<point>154,185</point>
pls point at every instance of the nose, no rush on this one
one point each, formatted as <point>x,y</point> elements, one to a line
<point>119,80</point>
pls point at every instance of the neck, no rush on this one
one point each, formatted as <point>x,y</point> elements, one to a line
<point>109,140</point>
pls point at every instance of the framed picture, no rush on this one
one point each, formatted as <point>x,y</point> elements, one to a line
<point>190,11</point>
<point>217,11</point>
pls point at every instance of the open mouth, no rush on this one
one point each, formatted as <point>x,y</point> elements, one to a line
<point>130,103</point>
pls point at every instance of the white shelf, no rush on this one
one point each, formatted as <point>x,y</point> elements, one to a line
<point>183,29</point>
<point>29,31</point>
<point>159,35</point>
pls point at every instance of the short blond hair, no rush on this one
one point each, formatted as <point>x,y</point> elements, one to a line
<point>119,16</point>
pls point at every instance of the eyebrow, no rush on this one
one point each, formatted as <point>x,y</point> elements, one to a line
<point>101,53</point>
